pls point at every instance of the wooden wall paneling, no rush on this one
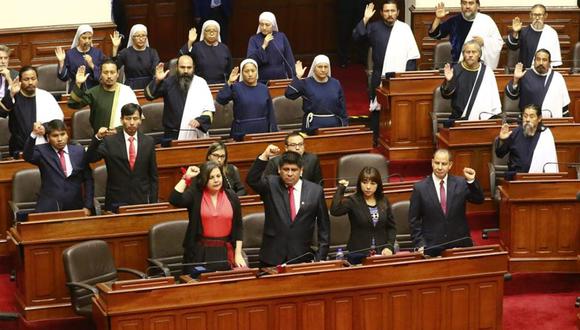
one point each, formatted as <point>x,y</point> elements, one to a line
<point>257,317</point>
<point>567,222</point>
<point>457,300</point>
<point>488,307</point>
<point>342,314</point>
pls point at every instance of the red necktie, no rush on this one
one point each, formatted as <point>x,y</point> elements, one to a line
<point>131,152</point>
<point>292,206</point>
<point>62,161</point>
<point>443,196</point>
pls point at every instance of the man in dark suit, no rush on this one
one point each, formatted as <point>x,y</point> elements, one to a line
<point>64,173</point>
<point>292,207</point>
<point>310,163</point>
<point>130,159</point>
<point>437,211</point>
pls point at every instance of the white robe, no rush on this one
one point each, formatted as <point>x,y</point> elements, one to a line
<point>557,96</point>
<point>485,27</point>
<point>544,153</point>
<point>487,102</point>
<point>549,40</point>
<point>400,49</point>
<point>199,100</point>
<point>123,95</point>
<point>47,109</point>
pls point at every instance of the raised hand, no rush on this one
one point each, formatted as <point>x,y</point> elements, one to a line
<point>60,55</point>
<point>469,173</point>
<point>343,182</point>
<point>516,24</point>
<point>269,37</point>
<point>15,86</point>
<point>448,71</point>
<point>369,12</point>
<point>387,252</point>
<point>234,75</point>
<point>191,172</point>
<point>299,69</point>
<point>38,129</point>
<point>89,59</point>
<point>81,76</point>
<point>191,36</point>
<point>440,11</point>
<point>194,123</point>
<point>519,72</point>
<point>505,132</point>
<point>271,151</point>
<point>160,74</point>
<point>116,39</point>
<point>240,261</point>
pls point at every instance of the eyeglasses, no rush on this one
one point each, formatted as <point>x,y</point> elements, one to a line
<point>294,145</point>
<point>218,156</point>
<point>140,36</point>
<point>536,15</point>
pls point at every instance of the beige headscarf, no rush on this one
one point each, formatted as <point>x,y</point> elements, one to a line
<point>317,60</point>
<point>206,24</point>
<point>80,31</point>
<point>136,28</point>
<point>268,17</point>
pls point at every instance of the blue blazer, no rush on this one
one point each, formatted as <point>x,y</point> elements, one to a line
<point>57,192</point>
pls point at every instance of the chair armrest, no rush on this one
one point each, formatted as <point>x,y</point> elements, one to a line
<point>82,286</point>
<point>160,265</point>
<point>132,271</point>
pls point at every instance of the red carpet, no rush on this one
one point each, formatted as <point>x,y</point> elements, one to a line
<point>354,83</point>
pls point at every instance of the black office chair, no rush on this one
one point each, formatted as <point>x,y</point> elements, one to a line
<point>576,58</point>
<point>166,247</point>
<point>349,166</point>
<point>497,169</point>
<point>82,131</point>
<point>222,119</point>
<point>441,112</point>
<point>25,188</point>
<point>253,231</point>
<point>288,113</point>
<point>4,138</point>
<point>510,108</point>
<point>339,234</point>
<point>401,214</point>
<point>153,123</point>
<point>85,265</point>
<point>442,55</point>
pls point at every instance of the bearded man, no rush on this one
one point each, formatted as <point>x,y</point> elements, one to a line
<point>531,146</point>
<point>187,101</point>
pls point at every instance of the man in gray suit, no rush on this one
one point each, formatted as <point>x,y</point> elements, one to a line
<point>437,211</point>
<point>292,207</point>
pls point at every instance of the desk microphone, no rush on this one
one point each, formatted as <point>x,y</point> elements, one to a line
<point>298,258</point>
<point>444,244</point>
<point>570,165</point>
<point>284,58</point>
<point>550,111</point>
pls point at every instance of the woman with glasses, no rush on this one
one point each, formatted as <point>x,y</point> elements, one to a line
<point>218,153</point>
<point>212,58</point>
<point>138,59</point>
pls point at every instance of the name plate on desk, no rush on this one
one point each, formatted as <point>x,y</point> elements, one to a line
<point>478,123</point>
<point>312,266</point>
<point>471,251</point>
<point>385,260</point>
<point>56,215</point>
<point>541,176</point>
<point>145,207</point>
<point>237,274</point>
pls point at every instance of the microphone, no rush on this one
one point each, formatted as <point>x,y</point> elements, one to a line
<point>370,248</point>
<point>485,113</point>
<point>298,257</point>
<point>550,111</point>
<point>570,165</point>
<point>438,246</point>
<point>282,55</point>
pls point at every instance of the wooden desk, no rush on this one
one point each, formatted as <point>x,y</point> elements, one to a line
<point>407,100</point>
<point>443,293</point>
<point>40,280</point>
<point>471,147</point>
<point>540,226</point>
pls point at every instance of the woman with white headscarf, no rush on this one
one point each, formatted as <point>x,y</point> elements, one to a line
<point>81,52</point>
<point>271,50</point>
<point>138,59</point>
<point>323,98</point>
<point>212,58</point>
<point>253,110</point>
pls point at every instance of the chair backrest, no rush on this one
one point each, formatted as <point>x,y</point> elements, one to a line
<point>442,55</point>
<point>288,112</point>
<point>26,185</point>
<point>576,64</point>
<point>511,108</point>
<point>89,262</point>
<point>121,77</point>
<point>349,166</point>
<point>172,66</point>
<point>497,169</point>
<point>222,119</point>
<point>253,231</point>
<point>166,243</point>
<point>82,131</point>
<point>48,80</point>
<point>441,106</point>
<point>100,181</point>
<point>153,123</point>
<point>512,59</point>
<point>401,214</point>
<point>339,233</point>
<point>4,136</point>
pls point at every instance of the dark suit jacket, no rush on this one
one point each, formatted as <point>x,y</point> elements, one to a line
<point>126,187</point>
<point>284,239</point>
<point>429,226</point>
<point>310,165</point>
<point>191,199</point>
<point>361,225</point>
<point>57,192</point>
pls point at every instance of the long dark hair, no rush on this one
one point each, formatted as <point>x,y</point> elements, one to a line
<point>204,172</point>
<point>218,145</point>
<point>372,174</point>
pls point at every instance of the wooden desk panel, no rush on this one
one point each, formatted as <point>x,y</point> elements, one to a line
<point>539,225</point>
<point>453,292</point>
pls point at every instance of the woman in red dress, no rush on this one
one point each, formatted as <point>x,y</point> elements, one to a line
<point>215,220</point>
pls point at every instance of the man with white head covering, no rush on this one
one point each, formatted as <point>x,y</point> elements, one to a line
<point>467,26</point>
<point>25,104</point>
<point>541,86</point>
<point>393,49</point>
<point>212,58</point>
<point>323,98</point>
<point>6,74</point>
<point>536,36</point>
<point>105,99</point>
<point>187,101</point>
<point>271,50</point>
<point>471,86</point>
<point>81,53</point>
<point>138,59</point>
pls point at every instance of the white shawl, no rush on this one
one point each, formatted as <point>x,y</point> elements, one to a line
<point>549,40</point>
<point>487,102</point>
<point>47,109</point>
<point>123,95</point>
<point>545,152</point>
<point>401,48</point>
<point>557,95</point>
<point>198,100</point>
<point>484,26</point>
